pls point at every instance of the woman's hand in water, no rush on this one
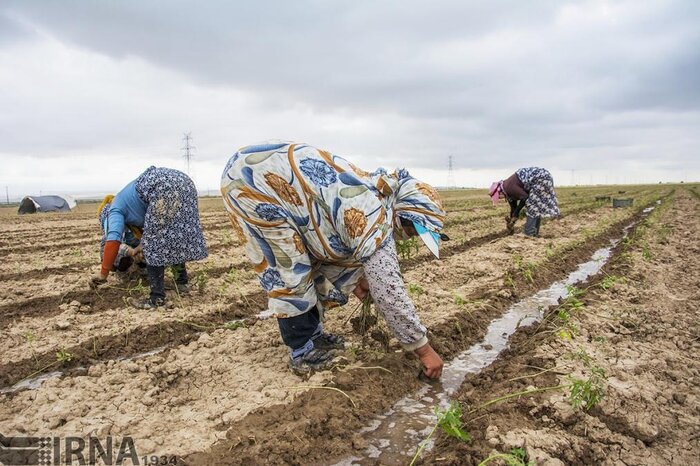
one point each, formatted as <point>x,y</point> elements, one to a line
<point>432,362</point>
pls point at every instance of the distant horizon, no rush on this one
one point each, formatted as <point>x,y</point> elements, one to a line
<point>96,197</point>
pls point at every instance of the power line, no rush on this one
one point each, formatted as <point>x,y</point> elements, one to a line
<point>450,173</point>
<point>188,148</point>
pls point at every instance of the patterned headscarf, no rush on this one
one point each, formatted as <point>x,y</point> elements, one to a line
<point>106,202</point>
<point>418,202</point>
<point>495,191</point>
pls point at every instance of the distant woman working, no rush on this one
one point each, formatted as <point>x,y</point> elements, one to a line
<point>161,205</point>
<point>532,188</point>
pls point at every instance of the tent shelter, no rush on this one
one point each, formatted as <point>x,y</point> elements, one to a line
<point>34,204</point>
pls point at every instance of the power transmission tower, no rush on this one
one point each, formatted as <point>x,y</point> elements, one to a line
<point>450,173</point>
<point>188,148</point>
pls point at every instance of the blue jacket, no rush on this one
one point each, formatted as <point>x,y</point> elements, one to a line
<point>127,209</point>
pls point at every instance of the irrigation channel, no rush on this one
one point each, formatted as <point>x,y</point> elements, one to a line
<point>394,436</point>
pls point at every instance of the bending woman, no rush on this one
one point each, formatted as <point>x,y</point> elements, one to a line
<point>161,205</point>
<point>316,228</point>
<point>532,188</point>
<point>130,252</point>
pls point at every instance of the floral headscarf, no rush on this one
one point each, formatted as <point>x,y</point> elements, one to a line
<point>418,202</point>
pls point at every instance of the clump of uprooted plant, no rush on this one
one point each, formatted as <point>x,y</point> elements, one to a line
<point>367,323</point>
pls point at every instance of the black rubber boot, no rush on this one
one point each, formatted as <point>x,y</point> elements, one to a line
<point>329,341</point>
<point>532,226</point>
<point>315,360</point>
<point>156,278</point>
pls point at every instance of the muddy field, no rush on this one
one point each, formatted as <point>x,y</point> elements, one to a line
<point>207,382</point>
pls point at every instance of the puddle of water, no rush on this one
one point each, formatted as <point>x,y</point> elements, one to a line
<point>36,382</point>
<point>30,384</point>
<point>145,354</point>
<point>394,436</point>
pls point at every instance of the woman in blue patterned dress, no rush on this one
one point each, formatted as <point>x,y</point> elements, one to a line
<point>317,228</point>
<point>532,188</point>
<point>161,207</point>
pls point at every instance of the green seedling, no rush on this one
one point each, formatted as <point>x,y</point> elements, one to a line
<point>608,282</point>
<point>566,330</point>
<point>583,356</point>
<point>549,250</point>
<point>234,324</point>
<point>200,280</point>
<point>232,276</point>
<point>573,291</point>
<point>415,290</point>
<point>508,280</point>
<point>458,329</point>
<point>516,457</point>
<point>588,393</point>
<point>527,269</point>
<point>31,338</point>
<point>459,301</point>
<point>407,248</point>
<point>227,239</point>
<point>61,356</point>
<point>450,421</point>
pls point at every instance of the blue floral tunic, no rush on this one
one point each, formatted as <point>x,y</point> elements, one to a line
<point>541,199</point>
<point>309,219</point>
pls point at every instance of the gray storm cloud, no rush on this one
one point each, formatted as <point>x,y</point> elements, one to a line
<point>569,85</point>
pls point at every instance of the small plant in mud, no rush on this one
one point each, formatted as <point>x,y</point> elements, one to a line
<point>232,276</point>
<point>31,338</point>
<point>459,301</point>
<point>565,327</point>
<point>406,248</point>
<point>136,289</point>
<point>61,356</point>
<point>227,240</point>
<point>588,393</point>
<point>415,290</point>
<point>200,280</point>
<point>516,457</point>
<point>526,268</point>
<point>646,251</point>
<point>608,282</point>
<point>234,324</point>
<point>508,280</point>
<point>450,421</point>
<point>574,291</point>
<point>549,250</point>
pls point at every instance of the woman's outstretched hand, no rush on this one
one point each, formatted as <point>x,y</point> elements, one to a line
<point>432,362</point>
<point>97,280</point>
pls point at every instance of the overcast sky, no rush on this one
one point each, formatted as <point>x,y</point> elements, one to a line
<point>93,92</point>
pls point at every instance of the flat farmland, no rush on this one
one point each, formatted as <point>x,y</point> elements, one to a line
<point>207,381</point>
